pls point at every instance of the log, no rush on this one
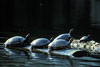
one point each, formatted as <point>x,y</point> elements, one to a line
<point>78,49</point>
<point>92,46</point>
<point>66,52</point>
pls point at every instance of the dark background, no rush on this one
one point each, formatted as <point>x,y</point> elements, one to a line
<point>50,17</point>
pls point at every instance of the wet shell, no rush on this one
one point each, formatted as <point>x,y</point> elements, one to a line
<point>84,37</point>
<point>57,44</point>
<point>40,42</point>
<point>14,41</point>
<point>63,36</point>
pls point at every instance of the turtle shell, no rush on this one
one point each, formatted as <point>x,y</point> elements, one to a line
<point>40,42</point>
<point>84,37</point>
<point>63,36</point>
<point>14,41</point>
<point>58,44</point>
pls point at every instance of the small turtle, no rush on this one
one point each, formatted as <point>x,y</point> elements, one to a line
<point>40,43</point>
<point>17,41</point>
<point>58,44</point>
<point>64,36</point>
<point>84,38</point>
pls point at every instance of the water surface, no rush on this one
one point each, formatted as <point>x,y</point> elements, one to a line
<point>21,59</point>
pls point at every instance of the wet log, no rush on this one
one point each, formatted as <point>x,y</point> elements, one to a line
<point>78,49</point>
<point>65,52</point>
<point>92,46</point>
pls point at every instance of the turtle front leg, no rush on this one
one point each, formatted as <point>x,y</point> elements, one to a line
<point>49,50</point>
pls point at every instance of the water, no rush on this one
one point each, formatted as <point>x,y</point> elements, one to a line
<point>21,59</point>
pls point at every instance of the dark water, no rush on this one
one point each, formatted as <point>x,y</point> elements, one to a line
<point>20,59</point>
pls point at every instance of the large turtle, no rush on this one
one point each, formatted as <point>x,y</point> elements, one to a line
<point>64,36</point>
<point>17,41</point>
<point>40,43</point>
<point>59,44</point>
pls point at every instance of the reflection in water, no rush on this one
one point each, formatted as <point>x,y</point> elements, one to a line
<point>26,59</point>
<point>45,60</point>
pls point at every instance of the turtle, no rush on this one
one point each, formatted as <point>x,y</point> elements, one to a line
<point>64,35</point>
<point>59,44</point>
<point>76,42</point>
<point>17,41</point>
<point>84,38</point>
<point>40,43</point>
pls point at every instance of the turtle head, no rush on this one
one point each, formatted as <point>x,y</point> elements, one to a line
<point>26,41</point>
<point>70,31</point>
<point>88,35</point>
<point>52,38</point>
<point>69,35</point>
<point>27,36</point>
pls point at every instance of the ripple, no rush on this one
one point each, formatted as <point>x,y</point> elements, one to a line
<point>20,59</point>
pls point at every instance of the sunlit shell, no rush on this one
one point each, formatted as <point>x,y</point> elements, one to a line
<point>14,40</point>
<point>84,37</point>
<point>63,36</point>
<point>59,43</point>
<point>40,42</point>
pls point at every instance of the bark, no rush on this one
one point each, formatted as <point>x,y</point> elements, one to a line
<point>90,46</point>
